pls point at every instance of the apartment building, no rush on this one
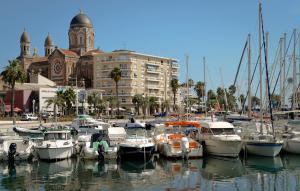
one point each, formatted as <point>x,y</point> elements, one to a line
<point>141,74</point>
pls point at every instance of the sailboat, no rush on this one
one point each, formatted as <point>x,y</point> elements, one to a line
<point>263,144</point>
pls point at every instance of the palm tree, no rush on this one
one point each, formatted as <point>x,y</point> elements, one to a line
<point>101,105</point>
<point>111,102</point>
<point>165,106</point>
<point>153,105</point>
<point>137,101</point>
<point>144,104</point>
<point>174,86</point>
<point>94,99</point>
<point>116,75</point>
<point>13,73</point>
<point>199,89</point>
<point>70,97</point>
<point>57,101</point>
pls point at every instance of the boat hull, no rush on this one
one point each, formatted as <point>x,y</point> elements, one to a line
<point>138,151</point>
<point>91,154</point>
<point>224,148</point>
<point>60,153</point>
<point>269,149</point>
<point>168,151</point>
<point>292,146</point>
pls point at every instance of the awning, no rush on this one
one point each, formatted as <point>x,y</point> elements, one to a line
<point>16,109</point>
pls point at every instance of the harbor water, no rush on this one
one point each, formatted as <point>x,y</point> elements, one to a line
<point>209,173</point>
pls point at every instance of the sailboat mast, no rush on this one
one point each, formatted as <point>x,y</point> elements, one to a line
<point>284,64</point>
<point>267,62</point>
<point>204,88</point>
<point>294,73</point>
<point>260,67</point>
<point>249,76</point>
<point>281,72</point>
<point>225,96</point>
<point>187,83</point>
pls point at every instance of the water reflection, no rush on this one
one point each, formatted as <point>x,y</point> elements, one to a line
<point>291,162</point>
<point>14,177</point>
<point>221,168</point>
<point>180,174</point>
<point>211,173</point>
<point>261,163</point>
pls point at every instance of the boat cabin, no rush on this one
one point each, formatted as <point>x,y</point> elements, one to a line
<point>57,135</point>
<point>217,128</point>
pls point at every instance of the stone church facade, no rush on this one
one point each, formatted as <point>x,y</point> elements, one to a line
<point>64,66</point>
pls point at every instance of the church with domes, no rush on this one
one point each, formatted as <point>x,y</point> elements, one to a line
<point>60,65</point>
<point>143,74</point>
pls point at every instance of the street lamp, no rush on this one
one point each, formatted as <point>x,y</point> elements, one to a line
<point>33,102</point>
<point>76,91</point>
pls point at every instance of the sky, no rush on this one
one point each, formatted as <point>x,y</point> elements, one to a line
<point>214,29</point>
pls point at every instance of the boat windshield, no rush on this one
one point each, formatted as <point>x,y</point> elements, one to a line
<point>219,131</point>
<point>226,131</point>
<point>57,136</point>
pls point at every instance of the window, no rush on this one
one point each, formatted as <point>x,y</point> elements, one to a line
<point>123,100</point>
<point>81,40</point>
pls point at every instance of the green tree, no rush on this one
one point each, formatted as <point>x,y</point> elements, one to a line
<point>165,106</point>
<point>211,98</point>
<point>112,102</point>
<point>255,101</point>
<point>199,89</point>
<point>70,97</point>
<point>101,105</point>
<point>153,104</point>
<point>116,75</point>
<point>190,83</point>
<point>13,73</point>
<point>174,87</point>
<point>94,99</point>
<point>137,101</point>
<point>276,99</point>
<point>57,102</point>
<point>145,102</point>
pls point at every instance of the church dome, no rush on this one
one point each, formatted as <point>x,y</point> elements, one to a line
<point>24,38</point>
<point>48,41</point>
<point>81,20</point>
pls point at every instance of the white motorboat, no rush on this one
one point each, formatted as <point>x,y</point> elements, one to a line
<point>133,123</point>
<point>109,139</point>
<point>220,139</point>
<point>291,142</point>
<point>136,145</point>
<point>57,144</point>
<point>85,124</point>
<point>173,143</point>
<point>22,148</point>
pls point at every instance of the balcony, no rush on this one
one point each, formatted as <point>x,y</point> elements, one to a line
<point>151,71</point>
<point>153,79</point>
<point>174,73</point>
<point>152,64</point>
<point>175,65</point>
<point>117,60</point>
<point>153,87</point>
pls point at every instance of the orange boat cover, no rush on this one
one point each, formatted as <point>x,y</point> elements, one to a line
<point>183,123</point>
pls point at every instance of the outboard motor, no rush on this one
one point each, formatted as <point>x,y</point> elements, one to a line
<point>12,153</point>
<point>101,151</point>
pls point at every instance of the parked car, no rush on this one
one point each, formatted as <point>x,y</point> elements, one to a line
<point>163,114</point>
<point>29,117</point>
